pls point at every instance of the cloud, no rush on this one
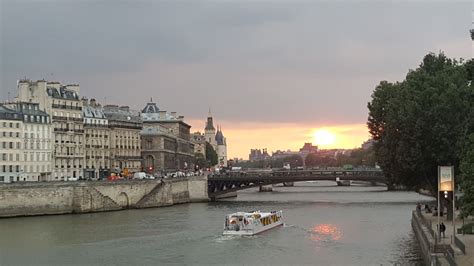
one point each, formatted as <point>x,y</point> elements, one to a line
<point>266,62</point>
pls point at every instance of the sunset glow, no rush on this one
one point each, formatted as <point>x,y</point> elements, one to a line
<point>241,137</point>
<point>324,137</point>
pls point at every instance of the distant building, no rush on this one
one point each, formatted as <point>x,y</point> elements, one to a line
<point>199,141</point>
<point>37,148</point>
<point>217,140</point>
<point>258,155</point>
<point>166,140</point>
<point>11,139</point>
<point>97,140</point>
<point>309,148</point>
<point>62,103</point>
<point>125,127</point>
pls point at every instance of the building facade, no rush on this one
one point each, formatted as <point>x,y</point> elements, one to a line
<point>199,141</point>
<point>97,140</point>
<point>217,140</point>
<point>125,143</point>
<point>11,139</point>
<point>258,155</point>
<point>37,147</point>
<point>62,103</point>
<point>166,140</point>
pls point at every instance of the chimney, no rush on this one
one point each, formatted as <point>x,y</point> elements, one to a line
<point>124,108</point>
<point>173,114</point>
<point>180,118</point>
<point>162,114</point>
<point>93,103</point>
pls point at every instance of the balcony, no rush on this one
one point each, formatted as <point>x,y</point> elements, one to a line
<point>66,107</point>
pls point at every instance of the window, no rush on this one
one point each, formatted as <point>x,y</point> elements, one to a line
<point>2,179</point>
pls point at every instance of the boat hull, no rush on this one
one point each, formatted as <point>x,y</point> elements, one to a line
<point>253,231</point>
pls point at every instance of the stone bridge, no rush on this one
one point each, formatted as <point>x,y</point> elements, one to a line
<point>233,181</point>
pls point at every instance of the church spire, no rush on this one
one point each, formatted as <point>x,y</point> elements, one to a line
<point>209,124</point>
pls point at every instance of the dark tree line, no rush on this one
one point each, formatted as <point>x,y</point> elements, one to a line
<point>210,159</point>
<point>424,121</point>
<point>356,158</point>
<point>293,160</point>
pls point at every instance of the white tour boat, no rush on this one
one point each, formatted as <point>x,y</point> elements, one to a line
<point>251,223</point>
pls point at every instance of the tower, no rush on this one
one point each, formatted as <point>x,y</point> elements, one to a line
<point>210,131</point>
<point>221,147</point>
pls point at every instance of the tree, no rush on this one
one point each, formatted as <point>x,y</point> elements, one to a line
<point>318,160</point>
<point>467,184</point>
<point>211,154</point>
<point>421,122</point>
<point>200,161</point>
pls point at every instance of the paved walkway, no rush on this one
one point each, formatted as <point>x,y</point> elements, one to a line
<point>468,240</point>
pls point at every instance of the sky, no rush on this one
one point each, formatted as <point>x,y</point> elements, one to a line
<point>272,72</point>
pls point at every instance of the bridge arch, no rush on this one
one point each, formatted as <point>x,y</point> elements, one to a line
<point>123,200</point>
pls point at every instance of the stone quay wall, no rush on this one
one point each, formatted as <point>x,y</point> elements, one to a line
<point>44,198</point>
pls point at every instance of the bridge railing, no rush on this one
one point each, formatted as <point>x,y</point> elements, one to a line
<point>306,172</point>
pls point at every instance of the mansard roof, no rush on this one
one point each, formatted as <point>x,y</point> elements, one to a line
<point>151,108</point>
<point>62,93</point>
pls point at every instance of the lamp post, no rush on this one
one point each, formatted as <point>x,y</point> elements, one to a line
<point>446,184</point>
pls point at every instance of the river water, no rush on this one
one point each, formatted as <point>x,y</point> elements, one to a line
<point>324,225</point>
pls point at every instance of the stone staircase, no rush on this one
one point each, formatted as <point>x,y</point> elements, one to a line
<point>142,202</point>
<point>107,202</point>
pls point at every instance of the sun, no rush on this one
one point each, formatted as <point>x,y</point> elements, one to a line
<point>324,137</point>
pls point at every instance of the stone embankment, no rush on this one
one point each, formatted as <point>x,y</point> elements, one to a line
<point>447,250</point>
<point>25,199</point>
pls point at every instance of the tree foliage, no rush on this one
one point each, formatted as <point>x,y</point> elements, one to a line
<point>356,158</point>
<point>422,121</point>
<point>467,174</point>
<point>200,161</point>
<point>211,154</point>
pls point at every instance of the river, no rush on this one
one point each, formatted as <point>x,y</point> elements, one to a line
<point>324,225</point>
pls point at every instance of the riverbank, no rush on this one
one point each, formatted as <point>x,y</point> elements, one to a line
<point>452,249</point>
<point>47,198</point>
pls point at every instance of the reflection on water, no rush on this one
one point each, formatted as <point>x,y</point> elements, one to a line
<point>322,232</point>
